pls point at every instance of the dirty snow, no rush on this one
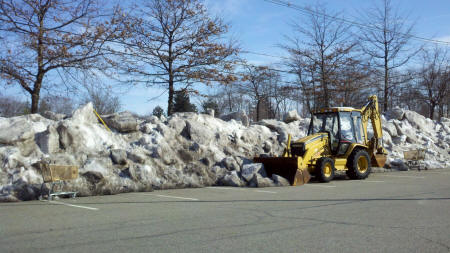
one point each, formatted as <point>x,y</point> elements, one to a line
<point>184,150</point>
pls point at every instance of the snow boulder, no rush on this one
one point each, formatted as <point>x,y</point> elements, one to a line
<point>123,122</point>
<point>249,170</point>
<point>419,121</point>
<point>232,179</point>
<point>119,156</point>
<point>396,113</point>
<point>398,164</point>
<point>230,164</point>
<point>48,141</point>
<point>291,116</point>
<point>279,180</point>
<point>390,128</point>
<point>283,129</point>
<point>260,181</point>
<point>16,129</point>
<point>85,114</point>
<point>445,122</point>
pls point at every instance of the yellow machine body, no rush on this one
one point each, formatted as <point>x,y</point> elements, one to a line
<point>321,154</point>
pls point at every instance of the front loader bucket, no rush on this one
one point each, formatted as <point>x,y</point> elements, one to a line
<point>378,160</point>
<point>286,167</point>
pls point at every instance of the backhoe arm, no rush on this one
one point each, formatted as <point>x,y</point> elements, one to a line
<point>371,111</point>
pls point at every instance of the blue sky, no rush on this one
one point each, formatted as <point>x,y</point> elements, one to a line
<point>260,26</point>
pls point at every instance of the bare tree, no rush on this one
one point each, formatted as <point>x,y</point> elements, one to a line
<point>10,106</point>
<point>352,83</point>
<point>328,46</point>
<point>42,37</point>
<point>175,43</point>
<point>103,99</point>
<point>56,104</point>
<point>282,97</point>
<point>386,40</point>
<point>305,77</point>
<point>256,82</point>
<point>434,79</point>
<point>231,99</point>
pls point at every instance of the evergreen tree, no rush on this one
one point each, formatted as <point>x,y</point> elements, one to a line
<point>158,111</point>
<point>211,104</point>
<point>182,102</point>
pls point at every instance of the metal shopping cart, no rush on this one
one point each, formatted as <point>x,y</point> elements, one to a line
<point>413,158</point>
<point>56,176</point>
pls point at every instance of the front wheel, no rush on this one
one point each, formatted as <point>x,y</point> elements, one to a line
<point>324,169</point>
<point>358,165</point>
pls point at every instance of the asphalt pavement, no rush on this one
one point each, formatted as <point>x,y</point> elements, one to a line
<point>388,212</point>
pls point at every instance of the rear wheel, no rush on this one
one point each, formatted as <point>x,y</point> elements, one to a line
<point>324,169</point>
<point>358,165</point>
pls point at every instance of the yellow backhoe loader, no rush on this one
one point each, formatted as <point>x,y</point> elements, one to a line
<point>337,140</point>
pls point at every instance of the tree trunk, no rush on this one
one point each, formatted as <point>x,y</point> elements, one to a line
<point>386,86</point>
<point>230,104</point>
<point>40,70</point>
<point>36,93</point>
<point>258,104</point>
<point>326,97</point>
<point>432,107</point>
<point>35,101</point>
<point>440,111</point>
<point>170,102</point>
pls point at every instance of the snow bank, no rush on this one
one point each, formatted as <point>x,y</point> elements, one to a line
<point>185,150</point>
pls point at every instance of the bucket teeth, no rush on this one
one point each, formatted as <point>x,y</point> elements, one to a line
<point>378,160</point>
<point>301,177</point>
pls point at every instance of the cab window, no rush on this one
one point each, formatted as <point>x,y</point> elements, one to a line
<point>324,122</point>
<point>356,118</point>
<point>346,127</point>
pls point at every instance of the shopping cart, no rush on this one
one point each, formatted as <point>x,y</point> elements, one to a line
<point>56,176</point>
<point>413,158</point>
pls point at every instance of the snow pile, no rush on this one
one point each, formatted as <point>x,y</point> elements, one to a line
<point>407,130</point>
<point>185,150</point>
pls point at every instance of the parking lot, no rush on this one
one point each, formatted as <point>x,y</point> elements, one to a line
<point>388,212</point>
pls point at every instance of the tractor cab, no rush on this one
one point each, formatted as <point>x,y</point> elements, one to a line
<point>343,126</point>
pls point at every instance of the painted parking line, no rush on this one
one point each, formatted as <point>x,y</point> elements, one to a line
<point>223,188</point>
<point>265,191</point>
<point>239,189</point>
<point>437,172</point>
<point>402,176</point>
<point>320,185</point>
<point>372,181</point>
<point>168,196</point>
<point>71,205</point>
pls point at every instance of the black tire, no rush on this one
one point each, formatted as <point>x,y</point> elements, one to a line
<point>358,164</point>
<point>324,171</point>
